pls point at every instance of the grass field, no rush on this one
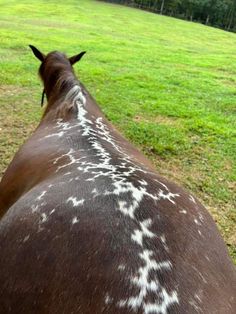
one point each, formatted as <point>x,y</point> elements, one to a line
<point>168,85</point>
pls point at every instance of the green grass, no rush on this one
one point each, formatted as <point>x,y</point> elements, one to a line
<point>168,85</point>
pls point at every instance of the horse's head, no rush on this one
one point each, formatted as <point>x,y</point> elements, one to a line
<point>55,70</point>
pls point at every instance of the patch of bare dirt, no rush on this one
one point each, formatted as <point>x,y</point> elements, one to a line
<point>11,90</point>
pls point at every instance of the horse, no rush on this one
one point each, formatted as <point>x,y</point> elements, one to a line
<point>88,225</point>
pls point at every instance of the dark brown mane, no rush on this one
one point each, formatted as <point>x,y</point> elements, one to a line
<point>58,77</point>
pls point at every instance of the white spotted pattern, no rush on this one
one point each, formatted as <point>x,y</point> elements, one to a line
<point>145,285</point>
<point>119,174</point>
<point>128,193</point>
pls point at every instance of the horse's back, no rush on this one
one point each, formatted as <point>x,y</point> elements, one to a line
<point>67,249</point>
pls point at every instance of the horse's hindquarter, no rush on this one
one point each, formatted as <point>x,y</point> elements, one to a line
<point>110,245</point>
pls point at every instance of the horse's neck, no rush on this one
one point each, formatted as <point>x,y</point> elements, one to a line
<point>80,108</point>
<point>76,117</point>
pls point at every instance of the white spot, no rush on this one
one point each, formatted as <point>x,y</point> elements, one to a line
<point>108,299</point>
<point>163,240</point>
<point>192,199</point>
<point>72,160</point>
<point>75,220</point>
<point>95,192</point>
<point>138,235</point>
<point>143,182</point>
<point>121,267</point>
<point>75,202</point>
<point>183,211</point>
<point>52,211</point>
<point>41,195</point>
<point>59,134</point>
<point>201,217</point>
<point>161,183</point>
<point>169,196</point>
<point>197,222</point>
<point>67,173</point>
<point>196,296</point>
<point>137,195</point>
<point>65,126</point>
<point>122,303</point>
<point>34,208</point>
<point>44,218</point>
<point>26,238</point>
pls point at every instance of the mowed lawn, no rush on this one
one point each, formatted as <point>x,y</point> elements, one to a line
<point>168,85</point>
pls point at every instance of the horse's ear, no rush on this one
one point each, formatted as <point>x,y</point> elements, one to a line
<point>76,58</point>
<point>38,54</point>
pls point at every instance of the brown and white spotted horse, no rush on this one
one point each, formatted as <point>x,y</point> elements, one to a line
<point>88,226</point>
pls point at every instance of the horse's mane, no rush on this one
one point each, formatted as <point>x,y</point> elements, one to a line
<point>57,74</point>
